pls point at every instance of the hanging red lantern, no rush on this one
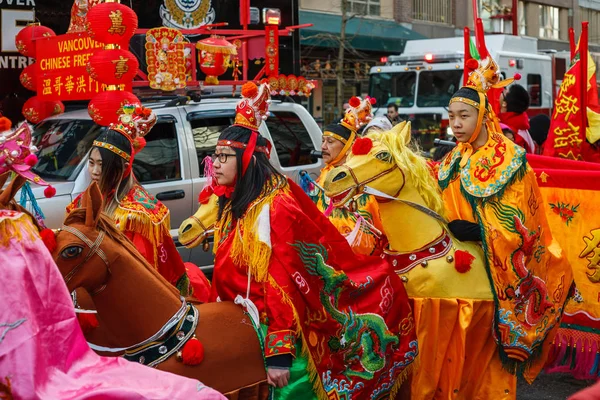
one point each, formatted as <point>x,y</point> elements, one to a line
<point>215,53</point>
<point>25,39</point>
<point>28,77</point>
<point>113,67</point>
<point>111,23</point>
<point>106,107</point>
<point>36,110</point>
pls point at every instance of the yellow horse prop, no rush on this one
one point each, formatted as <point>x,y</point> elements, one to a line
<point>446,278</point>
<point>198,228</point>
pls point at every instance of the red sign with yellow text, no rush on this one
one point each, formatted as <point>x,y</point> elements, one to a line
<point>271,50</point>
<point>61,68</point>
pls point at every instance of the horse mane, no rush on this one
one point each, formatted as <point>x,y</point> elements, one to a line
<point>415,168</point>
<point>107,225</point>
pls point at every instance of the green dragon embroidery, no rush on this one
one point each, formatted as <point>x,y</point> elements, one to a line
<point>365,337</point>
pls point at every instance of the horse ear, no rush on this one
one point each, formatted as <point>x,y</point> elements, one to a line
<point>13,187</point>
<point>93,203</point>
<point>403,130</point>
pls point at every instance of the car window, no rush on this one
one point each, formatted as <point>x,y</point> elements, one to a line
<point>62,145</point>
<point>206,133</point>
<point>159,160</point>
<point>291,139</point>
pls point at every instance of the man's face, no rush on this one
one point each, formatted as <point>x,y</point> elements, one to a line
<point>463,120</point>
<point>392,113</point>
<point>330,148</point>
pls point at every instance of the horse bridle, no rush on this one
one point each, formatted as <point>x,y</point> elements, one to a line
<point>206,232</point>
<point>94,249</point>
<point>358,185</point>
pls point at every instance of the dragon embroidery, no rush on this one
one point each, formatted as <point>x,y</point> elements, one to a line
<point>485,169</point>
<point>364,337</point>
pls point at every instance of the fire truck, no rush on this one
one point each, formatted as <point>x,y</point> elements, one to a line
<point>421,80</point>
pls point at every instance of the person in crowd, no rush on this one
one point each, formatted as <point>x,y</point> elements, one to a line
<point>514,102</point>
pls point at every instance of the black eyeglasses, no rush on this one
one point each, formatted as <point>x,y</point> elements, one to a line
<point>222,157</point>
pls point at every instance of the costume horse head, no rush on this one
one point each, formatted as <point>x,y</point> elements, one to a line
<point>148,319</point>
<point>431,262</point>
<point>199,227</point>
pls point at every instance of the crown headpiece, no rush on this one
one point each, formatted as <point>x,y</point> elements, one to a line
<point>253,109</point>
<point>359,113</point>
<point>17,154</point>
<point>134,123</point>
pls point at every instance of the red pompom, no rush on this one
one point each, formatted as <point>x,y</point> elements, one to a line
<point>372,100</point>
<point>463,260</point>
<point>87,322</point>
<point>354,101</point>
<point>49,239</point>
<point>472,64</point>
<point>362,146</point>
<point>138,144</point>
<point>517,76</point>
<point>249,90</point>
<point>49,192</point>
<point>5,124</point>
<point>31,160</point>
<point>192,352</point>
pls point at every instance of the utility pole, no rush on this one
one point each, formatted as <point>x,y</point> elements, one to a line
<point>340,60</point>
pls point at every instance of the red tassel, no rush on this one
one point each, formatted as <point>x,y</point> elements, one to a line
<point>139,144</point>
<point>472,64</point>
<point>362,146</point>
<point>49,192</point>
<point>192,352</point>
<point>87,322</point>
<point>463,260</point>
<point>31,160</point>
<point>517,76</point>
<point>354,102</point>
<point>49,239</point>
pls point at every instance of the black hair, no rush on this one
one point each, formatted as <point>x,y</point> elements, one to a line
<point>517,99</point>
<point>339,130</point>
<point>471,94</point>
<point>440,152</point>
<point>113,165</point>
<point>393,105</point>
<point>539,127</point>
<point>259,173</point>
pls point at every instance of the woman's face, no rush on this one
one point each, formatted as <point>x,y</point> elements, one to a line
<point>95,165</point>
<point>225,166</point>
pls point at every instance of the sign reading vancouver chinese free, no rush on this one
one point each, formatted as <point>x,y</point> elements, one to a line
<point>61,67</point>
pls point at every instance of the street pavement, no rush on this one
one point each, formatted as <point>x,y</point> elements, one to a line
<point>550,387</point>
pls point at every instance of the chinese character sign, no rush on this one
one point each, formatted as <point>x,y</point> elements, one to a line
<point>271,50</point>
<point>62,67</point>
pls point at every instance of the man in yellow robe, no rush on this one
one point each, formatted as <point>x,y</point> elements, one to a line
<point>358,220</point>
<point>491,196</point>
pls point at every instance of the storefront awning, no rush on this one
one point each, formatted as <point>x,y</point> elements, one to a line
<point>363,33</point>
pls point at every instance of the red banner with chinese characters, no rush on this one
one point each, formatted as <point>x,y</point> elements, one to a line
<point>62,67</point>
<point>271,50</point>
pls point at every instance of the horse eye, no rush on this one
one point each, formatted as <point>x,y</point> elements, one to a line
<point>384,156</point>
<point>71,252</point>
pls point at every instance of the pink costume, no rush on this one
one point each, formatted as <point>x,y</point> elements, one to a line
<point>43,354</point>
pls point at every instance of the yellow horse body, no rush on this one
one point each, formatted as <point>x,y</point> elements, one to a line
<point>198,228</point>
<point>453,305</point>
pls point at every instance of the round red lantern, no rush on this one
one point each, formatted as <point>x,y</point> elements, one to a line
<point>106,107</point>
<point>28,77</point>
<point>215,53</point>
<point>113,67</point>
<point>36,110</point>
<point>111,23</point>
<point>25,39</point>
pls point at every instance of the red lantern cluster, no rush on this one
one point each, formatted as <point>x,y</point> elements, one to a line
<point>214,55</point>
<point>35,109</point>
<point>112,24</point>
<point>105,108</point>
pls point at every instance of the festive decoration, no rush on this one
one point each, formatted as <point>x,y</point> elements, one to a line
<point>463,261</point>
<point>106,107</point>
<point>79,12</point>
<point>49,239</point>
<point>166,59</point>
<point>359,113</point>
<point>111,23</point>
<point>113,67</point>
<point>254,106</point>
<point>189,14</point>
<point>36,110</point>
<point>214,57</point>
<point>28,77</point>
<point>289,85</point>
<point>25,39</point>
<point>362,146</point>
<point>192,352</point>
<point>135,122</point>
<point>271,50</point>
<point>565,211</point>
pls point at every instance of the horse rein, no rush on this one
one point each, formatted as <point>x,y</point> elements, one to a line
<point>94,249</point>
<point>358,185</point>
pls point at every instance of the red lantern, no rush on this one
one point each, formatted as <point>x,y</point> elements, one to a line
<point>214,56</point>
<point>113,67</point>
<point>106,107</point>
<point>36,110</point>
<point>28,77</point>
<point>111,23</point>
<point>25,39</point>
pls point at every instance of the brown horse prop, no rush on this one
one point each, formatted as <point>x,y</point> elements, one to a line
<point>147,318</point>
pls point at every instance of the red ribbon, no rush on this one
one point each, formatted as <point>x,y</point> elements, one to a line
<point>249,152</point>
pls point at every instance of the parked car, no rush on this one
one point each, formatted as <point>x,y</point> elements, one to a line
<point>170,166</point>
